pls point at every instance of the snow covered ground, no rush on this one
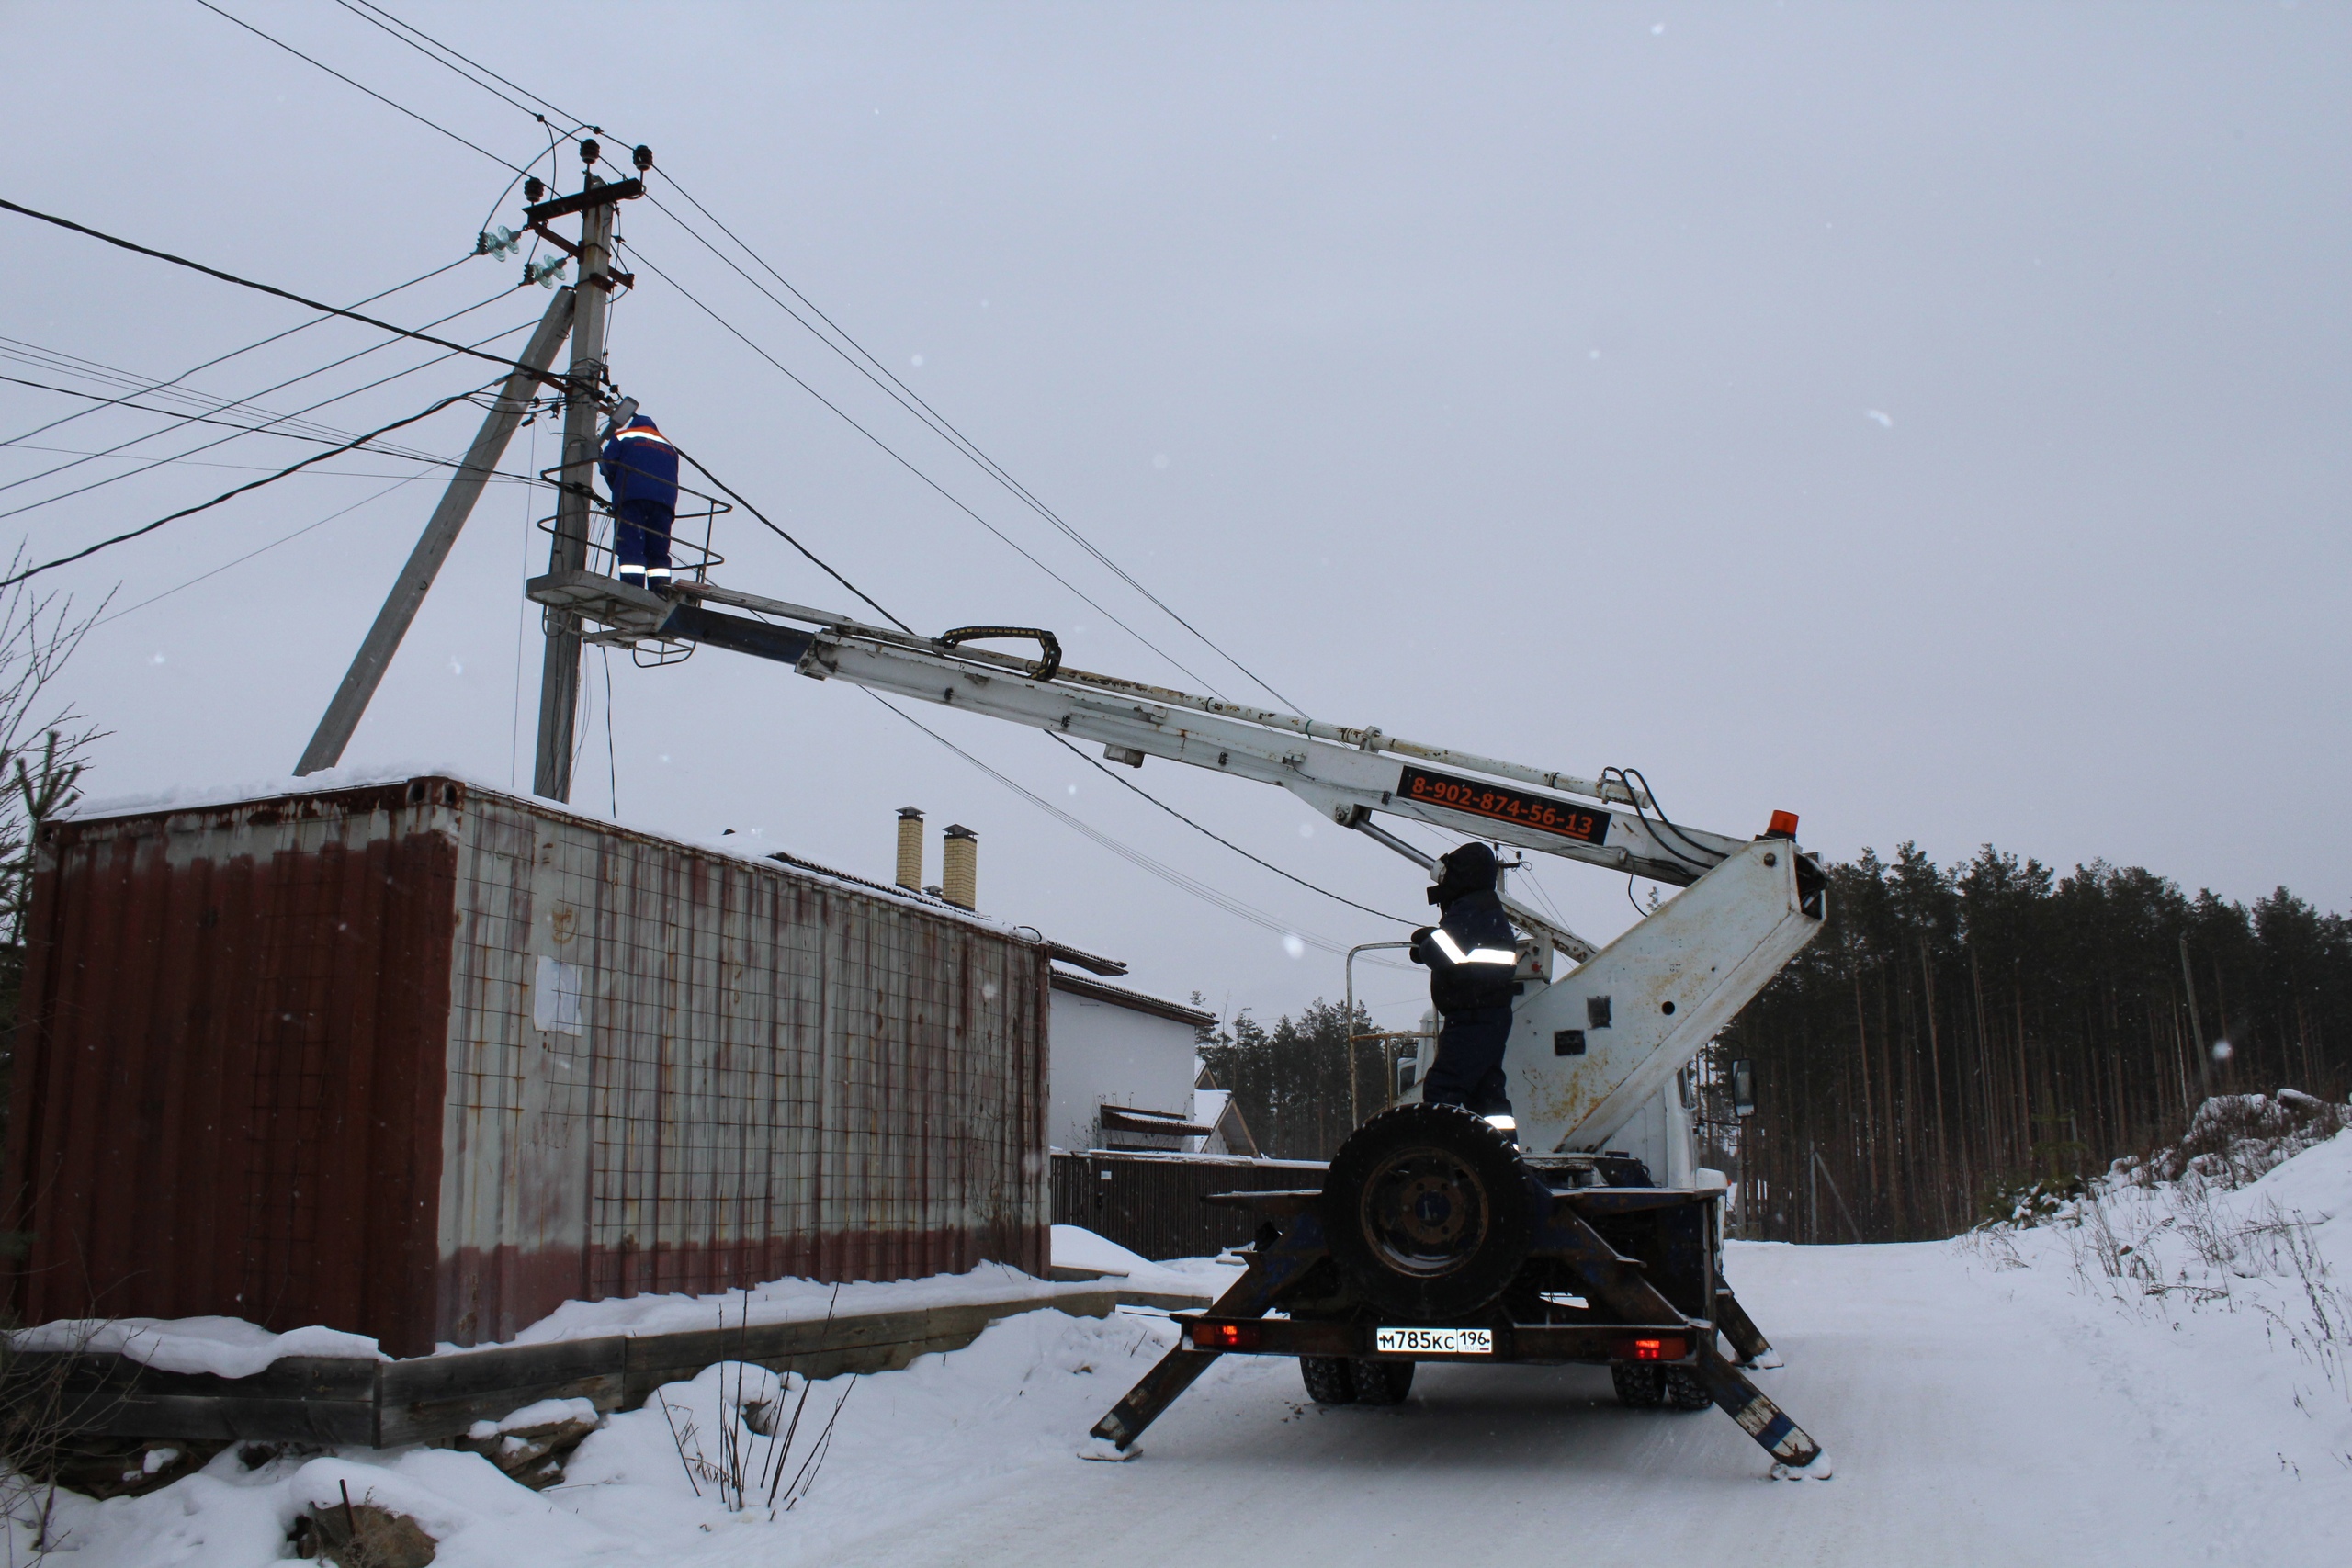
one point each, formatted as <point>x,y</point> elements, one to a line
<point>2157,1379</point>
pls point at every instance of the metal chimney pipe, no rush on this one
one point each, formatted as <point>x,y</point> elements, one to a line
<point>960,868</point>
<point>910,848</point>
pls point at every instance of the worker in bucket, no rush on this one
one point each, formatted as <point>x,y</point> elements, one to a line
<point>1472,955</point>
<point>640,471</point>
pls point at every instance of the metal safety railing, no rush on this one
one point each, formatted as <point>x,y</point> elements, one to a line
<point>691,560</point>
<point>1388,1066</point>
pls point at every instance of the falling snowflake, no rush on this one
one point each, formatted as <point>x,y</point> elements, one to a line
<point>1884,421</point>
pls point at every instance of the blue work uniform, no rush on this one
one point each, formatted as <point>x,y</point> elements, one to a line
<point>640,471</point>
<point>1473,957</point>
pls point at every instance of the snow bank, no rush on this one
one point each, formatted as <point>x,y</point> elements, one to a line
<point>1206,1277</point>
<point>224,1346</point>
<point>782,1301</point>
<point>231,1347</point>
<point>929,1441</point>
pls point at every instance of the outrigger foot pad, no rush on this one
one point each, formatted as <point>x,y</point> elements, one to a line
<point>1757,1417</point>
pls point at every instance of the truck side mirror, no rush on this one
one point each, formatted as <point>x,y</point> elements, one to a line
<point>1743,1088</point>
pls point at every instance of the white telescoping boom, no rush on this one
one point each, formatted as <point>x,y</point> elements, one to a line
<point>1588,1055</point>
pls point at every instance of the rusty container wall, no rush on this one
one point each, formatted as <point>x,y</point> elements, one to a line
<point>424,1061</point>
<point>227,1075</point>
<point>774,1073</point>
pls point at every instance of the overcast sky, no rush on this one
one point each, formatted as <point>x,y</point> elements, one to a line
<point>1930,420</point>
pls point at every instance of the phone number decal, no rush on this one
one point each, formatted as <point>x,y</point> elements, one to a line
<point>1503,805</point>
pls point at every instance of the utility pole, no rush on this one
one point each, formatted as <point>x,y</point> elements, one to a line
<point>559,675</point>
<point>409,588</point>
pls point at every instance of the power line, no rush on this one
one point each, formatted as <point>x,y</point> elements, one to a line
<point>795,544</point>
<point>899,393</point>
<point>1127,852</point>
<point>932,418</point>
<point>240,490</point>
<point>1237,849</point>
<point>371,92</point>
<point>394,29</point>
<point>323,434</point>
<point>283,539</point>
<point>133,473</point>
<point>895,457</point>
<point>547,377</point>
<point>221,359</point>
<point>478,65</point>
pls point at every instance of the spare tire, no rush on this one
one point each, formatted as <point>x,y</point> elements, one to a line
<point>1429,1211</point>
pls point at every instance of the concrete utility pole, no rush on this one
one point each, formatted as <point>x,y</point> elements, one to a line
<point>409,588</point>
<point>559,675</point>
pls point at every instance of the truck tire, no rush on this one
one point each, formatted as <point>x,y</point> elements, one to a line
<point>1330,1380</point>
<point>1383,1382</point>
<point>1428,1212</point>
<point>1684,1390</point>
<point>1638,1387</point>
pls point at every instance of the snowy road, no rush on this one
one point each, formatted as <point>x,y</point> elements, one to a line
<point>2162,1384</point>
<point>1968,1428</point>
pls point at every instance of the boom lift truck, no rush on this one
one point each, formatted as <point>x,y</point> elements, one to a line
<point>1435,1236</point>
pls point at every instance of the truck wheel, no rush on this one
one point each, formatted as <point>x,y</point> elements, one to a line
<point>1383,1382</point>
<point>1638,1388</point>
<point>1329,1379</point>
<point>1430,1212</point>
<point>1684,1390</point>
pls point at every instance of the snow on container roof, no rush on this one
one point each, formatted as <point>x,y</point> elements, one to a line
<point>417,1059</point>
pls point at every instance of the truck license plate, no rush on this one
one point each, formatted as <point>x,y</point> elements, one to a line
<point>1433,1341</point>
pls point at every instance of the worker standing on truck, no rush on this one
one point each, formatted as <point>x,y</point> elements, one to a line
<point>640,471</point>
<point>1472,954</point>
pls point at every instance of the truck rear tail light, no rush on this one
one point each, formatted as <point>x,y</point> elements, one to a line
<point>1225,1336</point>
<point>1662,1350</point>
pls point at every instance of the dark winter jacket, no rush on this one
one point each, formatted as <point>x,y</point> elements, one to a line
<point>640,464</point>
<point>1472,954</point>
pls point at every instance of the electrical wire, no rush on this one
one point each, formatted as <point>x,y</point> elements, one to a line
<point>896,458</point>
<point>228,495</point>
<point>1707,858</point>
<point>264,467</point>
<point>371,92</point>
<point>934,421</point>
<point>362,12</point>
<point>265,549</point>
<point>795,544</point>
<point>247,430</point>
<point>547,376</point>
<point>913,402</point>
<point>213,404</point>
<point>224,358</point>
<point>478,65</point>
<point>380,381</point>
<point>1237,849</point>
<point>1134,856</point>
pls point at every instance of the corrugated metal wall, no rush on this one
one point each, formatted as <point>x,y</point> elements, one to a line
<point>228,1083</point>
<point>771,1073</point>
<point>777,1075</point>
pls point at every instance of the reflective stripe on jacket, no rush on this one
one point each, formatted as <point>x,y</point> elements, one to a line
<point>640,464</point>
<point>1472,954</point>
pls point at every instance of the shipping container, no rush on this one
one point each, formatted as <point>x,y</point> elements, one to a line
<point>423,1061</point>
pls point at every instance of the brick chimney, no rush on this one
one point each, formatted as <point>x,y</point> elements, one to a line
<point>959,869</point>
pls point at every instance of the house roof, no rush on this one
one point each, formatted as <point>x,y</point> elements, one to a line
<point>1135,1001</point>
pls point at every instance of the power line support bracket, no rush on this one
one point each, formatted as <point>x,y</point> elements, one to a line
<point>383,639</point>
